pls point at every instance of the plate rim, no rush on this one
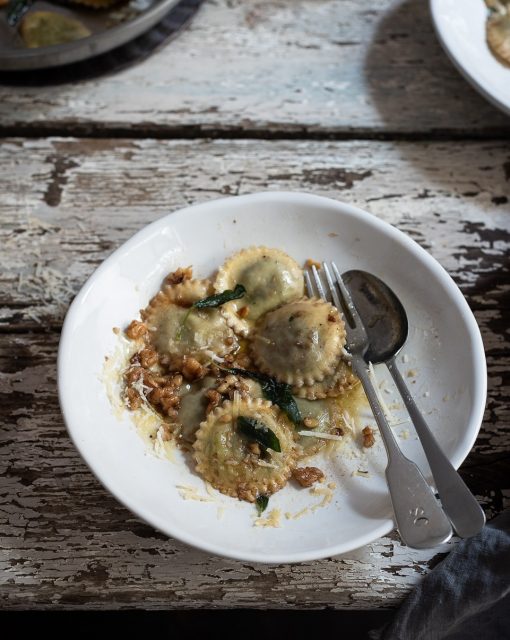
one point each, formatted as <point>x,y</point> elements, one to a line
<point>443,36</point>
<point>300,198</point>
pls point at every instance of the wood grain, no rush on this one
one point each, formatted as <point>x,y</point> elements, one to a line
<point>272,67</point>
<point>67,204</point>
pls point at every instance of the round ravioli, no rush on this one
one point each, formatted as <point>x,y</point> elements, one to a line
<point>47,28</point>
<point>178,331</point>
<point>333,385</point>
<point>229,459</point>
<point>498,36</point>
<point>299,343</point>
<point>271,278</point>
<point>193,406</point>
<point>326,416</point>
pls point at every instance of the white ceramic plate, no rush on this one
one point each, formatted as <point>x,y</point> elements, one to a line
<point>460,27</point>
<point>444,355</point>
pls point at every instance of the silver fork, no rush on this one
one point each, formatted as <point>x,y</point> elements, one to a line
<point>420,519</point>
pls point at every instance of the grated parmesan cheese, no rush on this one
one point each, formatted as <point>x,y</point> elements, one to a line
<point>269,465</point>
<point>327,495</point>
<point>191,493</point>
<point>299,514</point>
<point>371,373</point>
<point>361,473</point>
<point>322,436</point>
<point>272,519</point>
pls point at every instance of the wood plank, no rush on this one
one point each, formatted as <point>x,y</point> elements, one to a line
<point>67,543</point>
<point>68,203</point>
<point>260,68</point>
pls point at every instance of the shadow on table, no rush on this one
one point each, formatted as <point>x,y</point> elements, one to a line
<point>413,84</point>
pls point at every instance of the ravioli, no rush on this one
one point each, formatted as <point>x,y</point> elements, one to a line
<point>176,331</point>
<point>224,457</point>
<point>48,28</point>
<point>327,416</point>
<point>498,36</point>
<point>193,407</point>
<point>271,278</point>
<point>299,343</point>
<point>333,385</point>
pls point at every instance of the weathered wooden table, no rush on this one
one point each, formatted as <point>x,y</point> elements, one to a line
<point>342,98</point>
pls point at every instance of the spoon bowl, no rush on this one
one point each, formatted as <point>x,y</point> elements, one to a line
<point>383,315</point>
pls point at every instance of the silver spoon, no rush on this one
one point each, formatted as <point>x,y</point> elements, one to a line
<point>386,324</point>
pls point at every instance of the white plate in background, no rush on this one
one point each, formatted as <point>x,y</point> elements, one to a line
<point>444,351</point>
<point>460,27</point>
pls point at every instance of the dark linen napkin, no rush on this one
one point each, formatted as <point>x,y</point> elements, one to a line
<point>466,597</point>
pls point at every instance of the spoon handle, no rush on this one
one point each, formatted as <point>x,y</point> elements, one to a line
<point>420,519</point>
<point>464,512</point>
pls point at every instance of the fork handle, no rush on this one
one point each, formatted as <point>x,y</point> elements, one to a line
<point>420,519</point>
<point>460,505</point>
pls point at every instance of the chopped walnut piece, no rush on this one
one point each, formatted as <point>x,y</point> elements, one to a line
<point>192,369</point>
<point>136,330</point>
<point>166,433</point>
<point>254,448</point>
<point>133,399</point>
<point>170,402</point>
<point>243,311</point>
<point>148,357</point>
<point>368,437</point>
<point>177,380</point>
<point>133,374</point>
<point>311,423</point>
<point>306,476</point>
<point>149,379</point>
<point>214,399</point>
<point>180,275</point>
<point>312,263</point>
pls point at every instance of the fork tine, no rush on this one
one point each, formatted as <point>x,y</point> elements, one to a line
<point>308,284</point>
<point>349,304</point>
<point>332,288</point>
<point>318,282</point>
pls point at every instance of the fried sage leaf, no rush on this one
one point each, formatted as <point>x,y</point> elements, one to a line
<point>256,430</point>
<point>261,503</point>
<point>278,393</point>
<point>220,298</point>
<point>212,302</point>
